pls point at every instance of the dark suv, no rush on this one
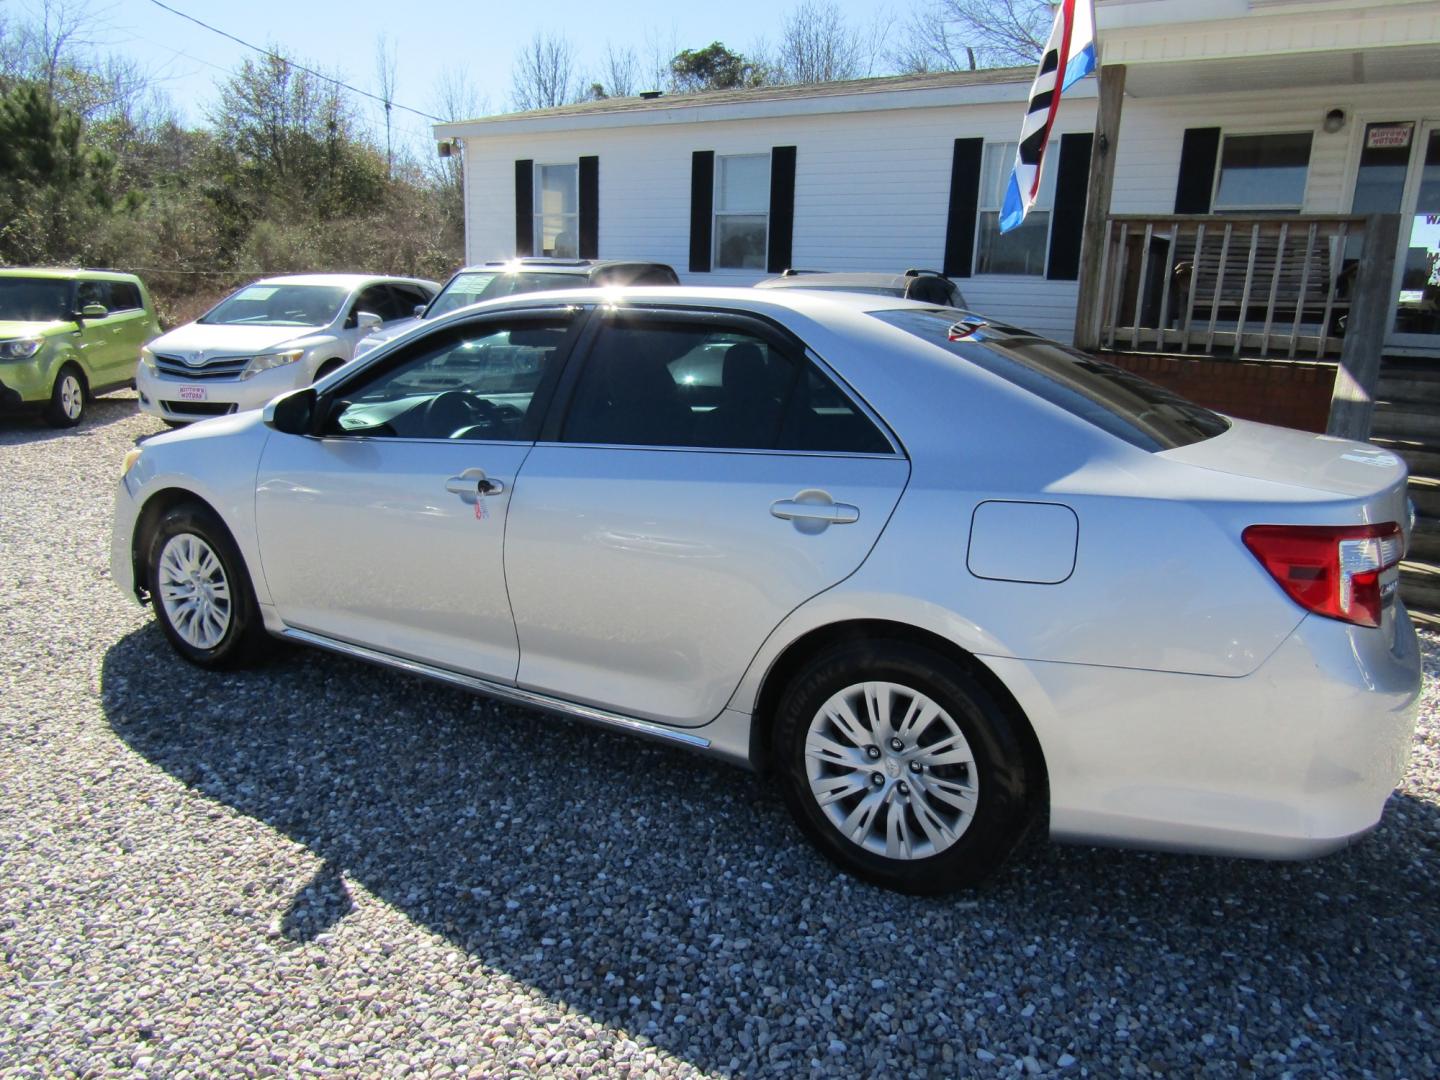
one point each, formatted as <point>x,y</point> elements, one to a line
<point>927,286</point>
<point>492,280</point>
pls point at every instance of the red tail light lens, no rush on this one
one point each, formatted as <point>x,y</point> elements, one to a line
<point>1330,570</point>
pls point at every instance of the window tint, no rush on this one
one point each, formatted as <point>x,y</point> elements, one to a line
<point>464,383</point>
<point>406,299</point>
<point>378,300</point>
<point>1125,405</point>
<point>92,292</point>
<point>124,296</point>
<point>678,385</point>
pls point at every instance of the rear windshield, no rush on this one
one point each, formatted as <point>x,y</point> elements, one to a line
<point>1125,405</point>
<point>465,289</point>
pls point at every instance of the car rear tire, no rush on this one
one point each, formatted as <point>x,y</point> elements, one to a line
<point>66,407</point>
<point>201,591</point>
<point>901,767</point>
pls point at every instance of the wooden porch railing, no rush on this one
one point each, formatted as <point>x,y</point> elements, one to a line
<point>1310,286</point>
<point>1261,286</point>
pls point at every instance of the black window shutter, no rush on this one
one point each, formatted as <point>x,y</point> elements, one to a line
<point>1067,216</point>
<point>964,204</point>
<point>702,204</point>
<point>524,208</point>
<point>589,208</point>
<point>1197,170</point>
<point>782,208</point>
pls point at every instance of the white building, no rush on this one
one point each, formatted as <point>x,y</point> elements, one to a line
<point>1270,108</point>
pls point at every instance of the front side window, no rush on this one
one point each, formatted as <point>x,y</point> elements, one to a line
<point>1022,250</point>
<point>557,212</point>
<point>279,305</point>
<point>464,383</point>
<point>664,384</point>
<point>742,211</point>
<point>1262,172</point>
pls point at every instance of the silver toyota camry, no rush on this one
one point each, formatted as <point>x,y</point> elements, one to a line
<point>941,580</point>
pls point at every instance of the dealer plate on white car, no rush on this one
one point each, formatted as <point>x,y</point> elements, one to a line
<point>192,393</point>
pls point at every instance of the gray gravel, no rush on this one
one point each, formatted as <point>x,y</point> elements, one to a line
<point>322,868</point>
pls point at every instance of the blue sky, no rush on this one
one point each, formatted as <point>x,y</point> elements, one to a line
<point>477,36</point>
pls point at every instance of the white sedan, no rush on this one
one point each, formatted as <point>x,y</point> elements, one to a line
<point>271,336</point>
<point>942,580</point>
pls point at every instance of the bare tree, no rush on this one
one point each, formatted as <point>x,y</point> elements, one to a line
<point>660,51</point>
<point>620,73</point>
<point>386,71</point>
<point>545,74</point>
<point>961,35</point>
<point>818,45</point>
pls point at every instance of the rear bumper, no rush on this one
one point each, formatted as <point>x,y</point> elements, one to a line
<point>1292,761</point>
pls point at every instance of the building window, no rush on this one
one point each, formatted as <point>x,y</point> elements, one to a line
<point>1021,251</point>
<point>557,211</point>
<point>742,211</point>
<point>1262,172</point>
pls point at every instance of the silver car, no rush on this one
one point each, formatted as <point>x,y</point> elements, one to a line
<point>943,580</point>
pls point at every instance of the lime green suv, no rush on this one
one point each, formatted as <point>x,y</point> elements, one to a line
<point>67,335</point>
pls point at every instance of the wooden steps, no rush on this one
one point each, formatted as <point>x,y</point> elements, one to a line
<point>1407,421</point>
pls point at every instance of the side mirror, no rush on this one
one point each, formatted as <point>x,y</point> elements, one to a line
<point>292,413</point>
<point>367,321</point>
<point>94,311</point>
<point>420,310</point>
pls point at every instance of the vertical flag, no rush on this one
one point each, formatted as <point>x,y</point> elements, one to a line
<point>1069,56</point>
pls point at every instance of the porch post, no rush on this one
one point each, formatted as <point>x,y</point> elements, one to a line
<point>1097,204</point>
<point>1372,305</point>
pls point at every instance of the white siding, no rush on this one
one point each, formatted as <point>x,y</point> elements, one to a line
<point>871,193</point>
<point>1151,130</point>
<point>872,188</point>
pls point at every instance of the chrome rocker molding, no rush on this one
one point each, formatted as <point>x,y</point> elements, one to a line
<point>498,690</point>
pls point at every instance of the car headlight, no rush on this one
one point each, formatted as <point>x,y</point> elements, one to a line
<point>20,348</point>
<point>266,361</point>
<point>147,360</point>
<point>131,457</point>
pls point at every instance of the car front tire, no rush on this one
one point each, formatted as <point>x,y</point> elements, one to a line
<point>201,590</point>
<point>66,407</point>
<point>901,767</point>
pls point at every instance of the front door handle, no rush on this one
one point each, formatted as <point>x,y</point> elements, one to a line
<point>830,513</point>
<point>473,482</point>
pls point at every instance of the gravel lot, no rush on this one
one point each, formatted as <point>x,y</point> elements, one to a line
<point>322,869</point>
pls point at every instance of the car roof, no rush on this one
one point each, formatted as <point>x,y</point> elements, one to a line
<point>829,280</point>
<point>346,281</point>
<point>557,266</point>
<point>67,273</point>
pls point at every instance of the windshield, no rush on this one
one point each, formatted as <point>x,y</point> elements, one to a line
<point>465,289</point>
<point>279,305</point>
<point>1125,405</point>
<point>34,299</point>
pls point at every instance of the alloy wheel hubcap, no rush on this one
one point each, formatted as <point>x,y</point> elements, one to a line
<point>71,396</point>
<point>194,591</point>
<point>891,770</point>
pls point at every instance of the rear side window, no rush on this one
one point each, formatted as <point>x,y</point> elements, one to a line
<point>124,296</point>
<point>1125,405</point>
<point>662,384</point>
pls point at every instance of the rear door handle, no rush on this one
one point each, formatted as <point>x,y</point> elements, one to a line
<point>830,513</point>
<point>473,482</point>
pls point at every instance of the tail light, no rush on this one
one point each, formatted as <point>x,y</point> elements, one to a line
<point>1330,570</point>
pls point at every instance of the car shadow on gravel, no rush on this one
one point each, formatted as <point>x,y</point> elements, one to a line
<point>100,413</point>
<point>670,897</point>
